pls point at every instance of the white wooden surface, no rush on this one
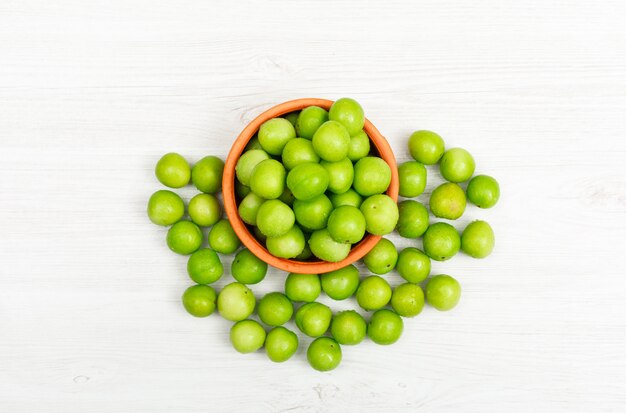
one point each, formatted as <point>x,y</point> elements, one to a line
<point>92,93</point>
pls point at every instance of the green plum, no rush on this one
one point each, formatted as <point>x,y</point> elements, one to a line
<point>331,141</point>
<point>346,225</point>
<point>309,121</point>
<point>359,146</point>
<point>407,299</point>
<point>324,354</point>
<point>441,241</point>
<point>288,245</point>
<point>448,201</point>
<point>381,214</point>
<point>199,300</point>
<point>275,309</point>
<point>385,327</point>
<point>313,214</point>
<point>483,191</point>
<point>292,117</point>
<point>350,197</point>
<point>173,170</point>
<point>184,237</point>
<point>274,135</point>
<point>382,258</point>
<point>206,174</point>
<point>268,179</point>
<point>307,180</point>
<point>274,218</point>
<point>348,327</point>
<point>247,268</point>
<point>302,287</point>
<point>349,113</point>
<point>342,283</point>
<point>249,208</point>
<point>247,162</point>
<point>340,174</point>
<point>313,319</point>
<point>204,210</point>
<point>373,293</point>
<point>413,219</point>
<point>236,302</point>
<point>478,239</point>
<point>457,165</point>
<point>324,247</point>
<point>247,336</point>
<point>412,176</point>
<point>204,266</point>
<point>165,208</point>
<point>281,344</point>
<point>413,265</point>
<point>222,237</point>
<point>298,151</point>
<point>426,147</point>
<point>372,175</point>
<point>443,292</point>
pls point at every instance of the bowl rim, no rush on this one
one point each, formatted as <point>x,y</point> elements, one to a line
<point>230,202</point>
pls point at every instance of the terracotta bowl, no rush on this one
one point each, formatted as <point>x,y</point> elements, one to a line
<point>379,145</point>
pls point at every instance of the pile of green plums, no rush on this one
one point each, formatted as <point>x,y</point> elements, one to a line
<point>309,187</point>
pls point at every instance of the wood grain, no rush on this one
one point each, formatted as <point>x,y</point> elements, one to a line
<point>92,93</point>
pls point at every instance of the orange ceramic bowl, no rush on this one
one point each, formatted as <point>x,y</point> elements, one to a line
<point>378,144</point>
